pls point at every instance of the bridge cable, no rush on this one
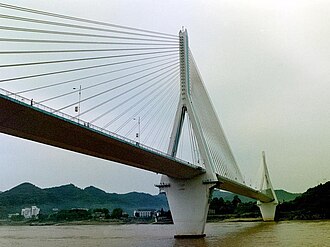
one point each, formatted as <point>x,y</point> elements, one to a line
<point>148,109</point>
<point>81,68</point>
<point>167,122</point>
<point>167,131</point>
<point>35,11</point>
<point>108,90</point>
<point>125,92</point>
<point>121,103</point>
<point>80,42</point>
<point>84,50</point>
<point>92,76</point>
<point>158,120</point>
<point>32,20</point>
<point>33,30</point>
<point>127,109</point>
<point>84,59</point>
<point>196,147</point>
<point>163,103</point>
<point>136,103</point>
<point>153,124</point>
<point>190,131</point>
<point>105,82</point>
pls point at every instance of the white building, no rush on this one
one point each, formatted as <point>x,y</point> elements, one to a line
<point>35,211</point>
<point>144,213</point>
<point>28,213</point>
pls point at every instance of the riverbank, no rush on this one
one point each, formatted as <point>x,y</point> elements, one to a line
<point>137,222</point>
<point>113,222</point>
<point>77,222</point>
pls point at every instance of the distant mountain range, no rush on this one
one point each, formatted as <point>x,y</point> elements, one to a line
<point>69,196</point>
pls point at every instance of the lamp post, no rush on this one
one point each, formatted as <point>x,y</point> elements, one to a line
<point>77,109</point>
<point>138,136</point>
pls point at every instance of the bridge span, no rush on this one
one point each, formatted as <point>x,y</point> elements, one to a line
<point>32,123</point>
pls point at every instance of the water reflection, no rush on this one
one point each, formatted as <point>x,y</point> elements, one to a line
<point>290,233</point>
<point>223,234</point>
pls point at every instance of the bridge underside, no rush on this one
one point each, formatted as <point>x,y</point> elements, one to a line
<point>21,120</point>
<point>243,190</point>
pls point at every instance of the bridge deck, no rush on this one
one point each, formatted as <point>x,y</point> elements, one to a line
<point>28,122</point>
<point>31,123</point>
<point>241,189</point>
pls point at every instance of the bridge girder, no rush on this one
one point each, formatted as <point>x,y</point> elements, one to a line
<point>28,122</point>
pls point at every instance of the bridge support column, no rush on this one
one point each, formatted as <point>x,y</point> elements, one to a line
<point>189,204</point>
<point>267,210</point>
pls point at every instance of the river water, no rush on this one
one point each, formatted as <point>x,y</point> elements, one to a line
<point>286,233</point>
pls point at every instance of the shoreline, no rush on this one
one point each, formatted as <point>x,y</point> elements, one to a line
<point>119,222</point>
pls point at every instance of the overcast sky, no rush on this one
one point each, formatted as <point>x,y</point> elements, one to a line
<point>265,65</point>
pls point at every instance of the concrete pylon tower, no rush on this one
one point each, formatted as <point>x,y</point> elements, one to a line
<point>267,209</point>
<point>188,198</point>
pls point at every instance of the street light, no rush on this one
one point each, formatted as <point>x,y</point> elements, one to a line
<point>77,108</point>
<point>139,128</point>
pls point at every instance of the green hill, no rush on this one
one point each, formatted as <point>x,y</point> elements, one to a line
<point>313,204</point>
<point>282,196</point>
<point>69,196</point>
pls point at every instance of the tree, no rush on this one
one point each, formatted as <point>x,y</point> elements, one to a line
<point>236,201</point>
<point>117,213</point>
<point>217,203</point>
<point>17,218</point>
<point>70,215</point>
<point>101,212</point>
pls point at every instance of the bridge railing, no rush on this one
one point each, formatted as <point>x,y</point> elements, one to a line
<point>82,123</point>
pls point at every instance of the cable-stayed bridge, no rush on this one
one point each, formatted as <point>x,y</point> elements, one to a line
<point>123,94</point>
